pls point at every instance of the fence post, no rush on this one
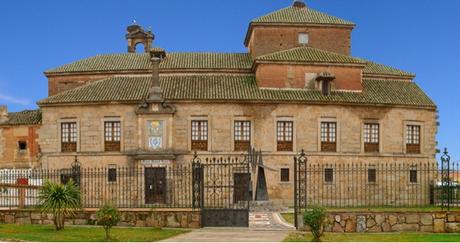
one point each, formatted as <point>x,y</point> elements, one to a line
<point>197,178</point>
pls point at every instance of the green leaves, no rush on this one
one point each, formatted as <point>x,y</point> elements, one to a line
<point>314,217</point>
<point>108,216</point>
<point>62,200</point>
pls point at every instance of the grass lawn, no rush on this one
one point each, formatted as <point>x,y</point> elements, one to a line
<point>9,232</point>
<point>289,217</point>
<point>379,237</point>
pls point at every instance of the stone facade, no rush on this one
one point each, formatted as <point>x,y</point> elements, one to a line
<point>372,222</point>
<point>138,218</point>
<point>263,119</point>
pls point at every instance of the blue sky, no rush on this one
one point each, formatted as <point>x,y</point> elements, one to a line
<point>420,36</point>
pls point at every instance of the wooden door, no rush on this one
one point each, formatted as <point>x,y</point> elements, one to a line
<point>155,185</point>
<point>241,187</point>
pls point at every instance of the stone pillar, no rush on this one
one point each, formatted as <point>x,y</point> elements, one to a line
<point>3,113</point>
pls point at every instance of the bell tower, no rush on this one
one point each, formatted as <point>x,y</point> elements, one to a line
<point>137,35</point>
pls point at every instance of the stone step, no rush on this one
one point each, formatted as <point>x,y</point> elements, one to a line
<point>265,206</point>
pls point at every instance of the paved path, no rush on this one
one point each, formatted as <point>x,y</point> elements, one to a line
<point>263,226</point>
<point>230,234</point>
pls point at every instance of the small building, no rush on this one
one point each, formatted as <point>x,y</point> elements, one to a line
<point>19,139</point>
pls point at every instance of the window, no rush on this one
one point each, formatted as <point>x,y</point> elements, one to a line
<point>242,135</point>
<point>371,137</point>
<point>413,176</point>
<point>284,132</point>
<point>371,175</point>
<point>413,139</point>
<point>328,175</point>
<point>328,136</point>
<point>200,135</point>
<point>22,145</point>
<point>303,38</point>
<point>112,135</point>
<point>325,87</point>
<point>284,174</point>
<point>112,174</point>
<point>69,137</point>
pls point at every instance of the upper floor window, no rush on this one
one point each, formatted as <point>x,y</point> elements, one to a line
<point>242,135</point>
<point>69,137</point>
<point>22,145</point>
<point>284,133</point>
<point>371,137</point>
<point>328,136</point>
<point>303,38</point>
<point>413,139</point>
<point>112,135</point>
<point>199,135</point>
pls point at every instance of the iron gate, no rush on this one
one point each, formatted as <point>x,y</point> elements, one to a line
<point>221,189</point>
<point>300,186</point>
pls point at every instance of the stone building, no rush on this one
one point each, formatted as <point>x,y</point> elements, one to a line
<point>297,87</point>
<point>19,138</point>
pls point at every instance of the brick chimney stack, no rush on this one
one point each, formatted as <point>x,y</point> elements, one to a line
<point>299,4</point>
<point>3,113</point>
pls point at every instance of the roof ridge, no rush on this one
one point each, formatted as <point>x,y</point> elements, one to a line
<point>267,57</point>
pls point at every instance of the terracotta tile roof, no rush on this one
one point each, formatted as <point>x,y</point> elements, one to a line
<point>294,15</point>
<point>237,88</point>
<point>380,69</point>
<point>173,60</point>
<point>184,60</point>
<point>309,54</point>
<point>26,117</point>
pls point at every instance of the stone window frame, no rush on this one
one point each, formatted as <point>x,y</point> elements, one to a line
<point>337,135</point>
<point>334,178</point>
<point>189,131</point>
<point>281,175</point>
<point>421,136</point>
<point>112,167</point>
<point>232,130</point>
<point>112,119</point>
<point>375,168</point>
<point>379,123</point>
<point>59,138</point>
<point>417,175</point>
<point>294,133</point>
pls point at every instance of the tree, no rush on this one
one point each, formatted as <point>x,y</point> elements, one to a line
<point>314,217</point>
<point>108,216</point>
<point>62,200</point>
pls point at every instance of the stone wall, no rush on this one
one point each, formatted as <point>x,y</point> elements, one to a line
<point>437,222</point>
<point>139,218</point>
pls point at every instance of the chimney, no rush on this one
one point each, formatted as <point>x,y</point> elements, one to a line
<point>3,113</point>
<point>155,90</point>
<point>299,4</point>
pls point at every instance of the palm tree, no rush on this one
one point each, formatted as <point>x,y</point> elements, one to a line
<point>62,200</point>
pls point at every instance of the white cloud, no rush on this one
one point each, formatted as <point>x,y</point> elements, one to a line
<point>14,100</point>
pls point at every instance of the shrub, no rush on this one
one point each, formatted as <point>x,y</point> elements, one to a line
<point>314,217</point>
<point>62,200</point>
<point>108,216</point>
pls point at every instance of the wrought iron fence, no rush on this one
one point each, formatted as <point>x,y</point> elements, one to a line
<point>376,184</point>
<point>165,186</point>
